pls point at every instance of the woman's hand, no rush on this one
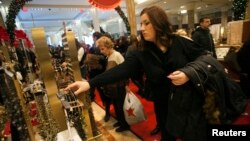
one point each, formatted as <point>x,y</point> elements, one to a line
<point>78,87</point>
<point>178,78</point>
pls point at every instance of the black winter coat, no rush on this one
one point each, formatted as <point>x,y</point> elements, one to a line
<point>181,105</point>
<point>204,39</point>
<point>230,98</point>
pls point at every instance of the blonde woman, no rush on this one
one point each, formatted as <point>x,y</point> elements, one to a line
<point>183,33</point>
<point>114,92</point>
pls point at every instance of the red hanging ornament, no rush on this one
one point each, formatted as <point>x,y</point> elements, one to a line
<point>25,9</point>
<point>81,10</point>
<point>16,43</point>
<point>105,4</point>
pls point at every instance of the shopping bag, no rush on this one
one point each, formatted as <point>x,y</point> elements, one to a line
<point>133,109</point>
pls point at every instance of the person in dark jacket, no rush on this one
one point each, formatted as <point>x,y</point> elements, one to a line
<point>244,63</point>
<point>137,78</point>
<point>161,55</point>
<point>203,37</point>
<point>96,63</point>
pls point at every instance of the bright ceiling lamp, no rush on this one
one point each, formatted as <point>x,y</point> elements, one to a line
<point>105,4</point>
<point>140,1</point>
<point>183,11</point>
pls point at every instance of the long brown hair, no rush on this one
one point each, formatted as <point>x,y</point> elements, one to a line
<point>133,41</point>
<point>160,23</point>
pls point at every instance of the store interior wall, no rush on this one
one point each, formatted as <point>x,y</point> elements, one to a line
<point>116,27</point>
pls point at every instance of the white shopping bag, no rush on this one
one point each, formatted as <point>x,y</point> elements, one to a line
<point>133,109</point>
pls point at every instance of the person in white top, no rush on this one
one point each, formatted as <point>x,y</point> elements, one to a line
<point>80,53</point>
<point>81,57</point>
<point>115,92</point>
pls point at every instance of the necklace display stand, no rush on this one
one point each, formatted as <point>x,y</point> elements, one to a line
<point>76,111</point>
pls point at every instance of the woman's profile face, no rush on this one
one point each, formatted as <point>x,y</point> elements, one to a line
<point>104,50</point>
<point>147,30</point>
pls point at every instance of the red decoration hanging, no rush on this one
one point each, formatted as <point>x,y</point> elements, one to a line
<point>28,43</point>
<point>6,131</point>
<point>20,34</point>
<point>5,37</point>
<point>3,34</point>
<point>25,9</point>
<point>81,10</point>
<point>105,4</point>
<point>16,43</point>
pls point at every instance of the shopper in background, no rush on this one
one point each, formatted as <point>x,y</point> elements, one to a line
<point>203,37</point>
<point>81,56</point>
<point>137,78</point>
<point>123,45</point>
<point>244,63</point>
<point>183,33</point>
<point>163,56</point>
<point>96,63</point>
<point>115,91</point>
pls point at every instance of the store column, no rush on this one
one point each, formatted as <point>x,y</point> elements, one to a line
<point>248,13</point>
<point>223,28</point>
<point>96,22</point>
<point>1,20</point>
<point>4,44</point>
<point>179,19</point>
<point>131,16</point>
<point>3,14</point>
<point>120,25</point>
<point>190,19</point>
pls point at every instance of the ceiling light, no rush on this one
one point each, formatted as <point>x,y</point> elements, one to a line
<point>182,6</point>
<point>140,1</point>
<point>183,11</point>
<point>0,2</point>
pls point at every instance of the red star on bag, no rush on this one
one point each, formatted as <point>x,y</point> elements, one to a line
<point>130,112</point>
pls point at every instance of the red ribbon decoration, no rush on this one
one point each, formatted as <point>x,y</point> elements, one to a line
<point>19,34</point>
<point>105,4</point>
<point>3,34</point>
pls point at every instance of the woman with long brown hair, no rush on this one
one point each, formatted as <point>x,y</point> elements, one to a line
<point>163,56</point>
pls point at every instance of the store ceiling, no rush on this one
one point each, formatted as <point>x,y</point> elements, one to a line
<point>50,14</point>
